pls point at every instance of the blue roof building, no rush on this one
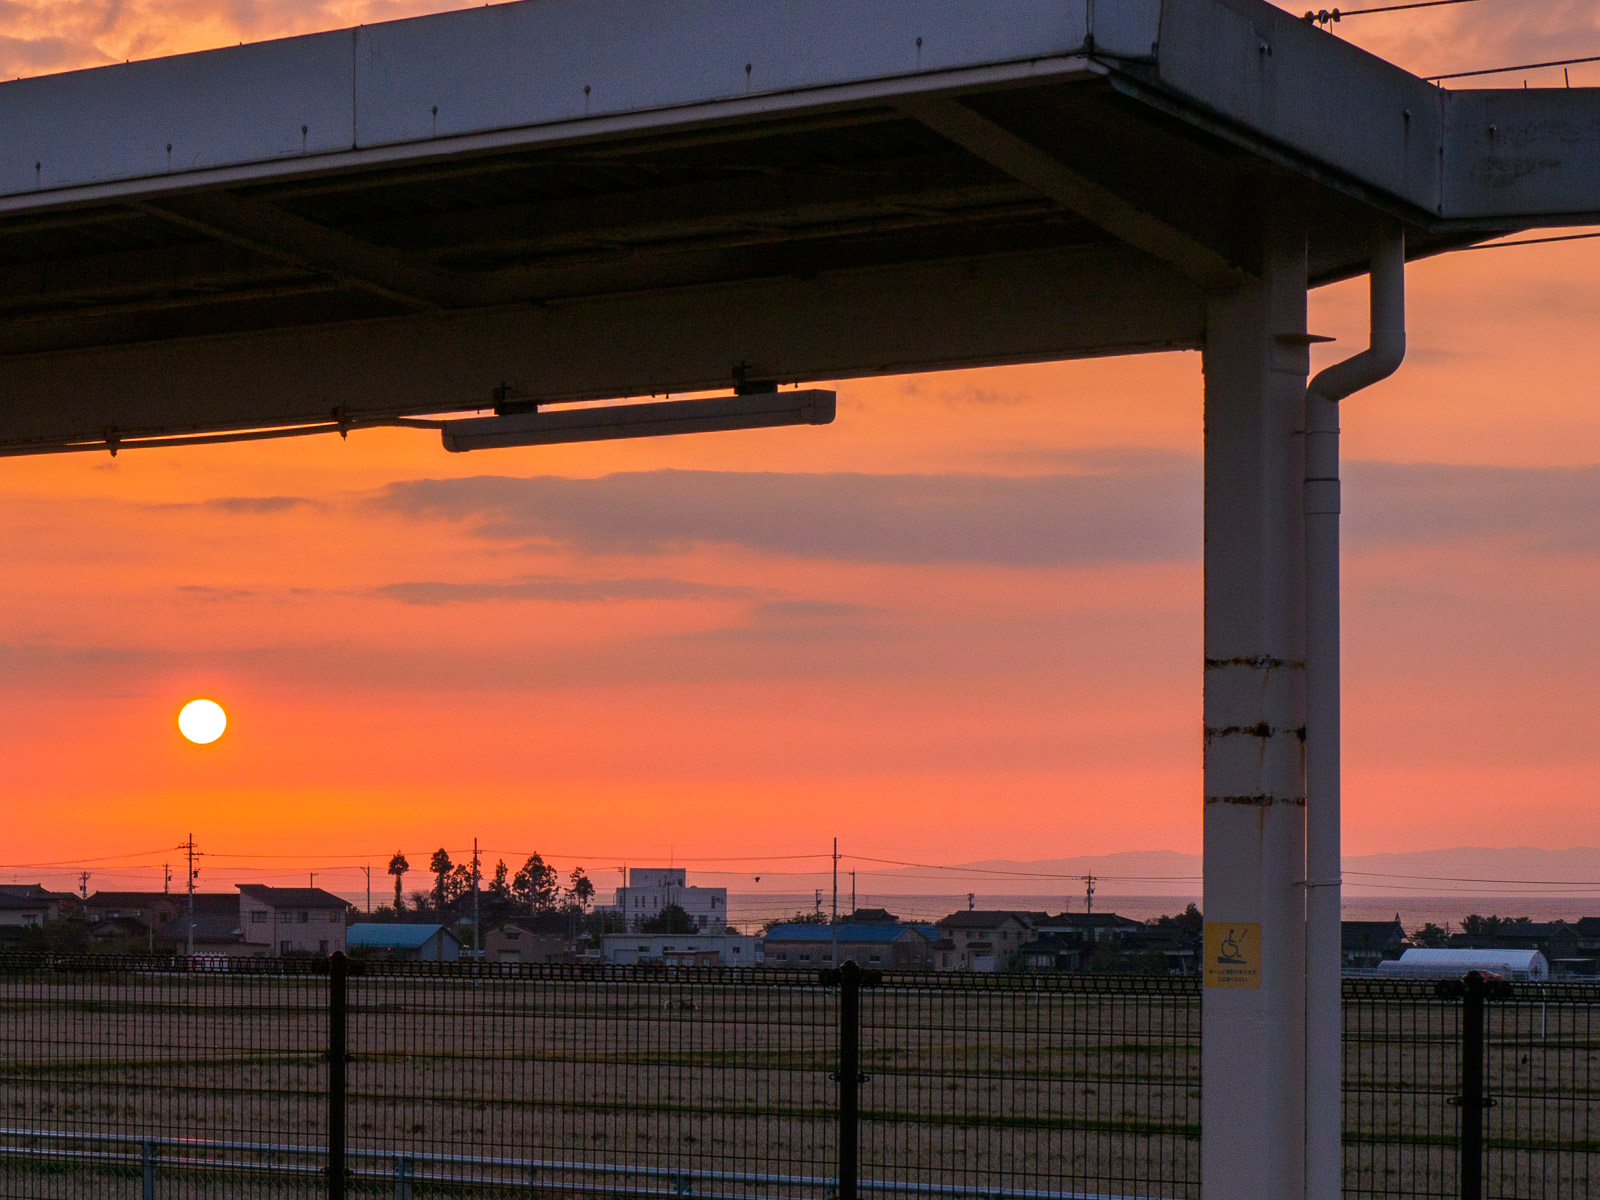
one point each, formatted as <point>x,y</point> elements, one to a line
<point>424,943</point>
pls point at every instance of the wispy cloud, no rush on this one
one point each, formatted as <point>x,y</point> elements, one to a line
<point>1540,509</point>
<point>39,36</point>
<point>554,588</point>
<point>1046,520</point>
<point>1121,509</point>
<point>243,505</point>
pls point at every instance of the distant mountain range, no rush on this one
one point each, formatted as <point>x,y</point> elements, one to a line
<point>1475,870</point>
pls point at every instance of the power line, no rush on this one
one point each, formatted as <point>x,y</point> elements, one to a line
<point>998,871</point>
<point>1538,241</point>
<point>1559,62</point>
<point>1329,16</point>
<point>1590,883</point>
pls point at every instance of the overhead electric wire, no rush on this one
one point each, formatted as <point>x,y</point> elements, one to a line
<point>1538,241</point>
<point>1337,14</point>
<point>78,862</point>
<point>998,871</point>
<point>1558,62</point>
<point>1477,879</point>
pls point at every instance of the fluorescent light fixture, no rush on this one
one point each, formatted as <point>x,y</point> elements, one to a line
<point>759,410</point>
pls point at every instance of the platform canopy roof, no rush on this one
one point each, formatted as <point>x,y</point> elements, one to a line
<point>560,200</point>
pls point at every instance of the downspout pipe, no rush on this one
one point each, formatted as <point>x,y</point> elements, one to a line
<point>1324,1033</point>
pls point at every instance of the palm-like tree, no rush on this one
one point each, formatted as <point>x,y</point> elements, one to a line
<point>398,866</point>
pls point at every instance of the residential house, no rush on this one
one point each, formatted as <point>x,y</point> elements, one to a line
<point>1559,942</point>
<point>525,941</point>
<point>57,904</point>
<point>984,939</point>
<point>392,940</point>
<point>1365,944</point>
<point>277,921</point>
<point>1051,952</point>
<point>1091,928</point>
<point>20,912</point>
<point>880,947</point>
<point>679,950</point>
<point>152,909</point>
<point>872,916</point>
<point>214,928</point>
<point>1169,949</point>
<point>651,889</point>
<point>112,933</point>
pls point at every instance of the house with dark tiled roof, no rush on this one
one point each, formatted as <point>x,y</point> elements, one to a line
<point>275,921</point>
<point>1365,944</point>
<point>984,939</point>
<point>1051,952</point>
<point>21,912</point>
<point>151,909</point>
<point>57,904</point>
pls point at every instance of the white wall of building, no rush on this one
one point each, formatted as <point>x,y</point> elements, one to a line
<point>651,889</point>
<point>627,949</point>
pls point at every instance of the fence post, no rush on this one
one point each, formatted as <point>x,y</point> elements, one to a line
<point>849,1077</point>
<point>1473,990</point>
<point>1472,993</point>
<point>338,974</point>
<point>147,1168</point>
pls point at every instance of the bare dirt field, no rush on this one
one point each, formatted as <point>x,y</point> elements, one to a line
<point>713,1083</point>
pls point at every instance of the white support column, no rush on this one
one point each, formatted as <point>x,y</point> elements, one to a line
<point>1253,1048</point>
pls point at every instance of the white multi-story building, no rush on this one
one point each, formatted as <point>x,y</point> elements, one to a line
<point>651,889</point>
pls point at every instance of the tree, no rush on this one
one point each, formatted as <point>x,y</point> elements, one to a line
<point>581,888</point>
<point>535,885</point>
<point>500,885</point>
<point>800,918</point>
<point>1189,920</point>
<point>398,866</point>
<point>1431,936</point>
<point>671,919</point>
<point>458,884</point>
<point>1479,925</point>
<point>440,865</point>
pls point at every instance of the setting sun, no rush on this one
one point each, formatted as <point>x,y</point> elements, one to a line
<point>202,721</point>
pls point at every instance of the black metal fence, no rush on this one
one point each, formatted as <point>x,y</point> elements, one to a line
<point>1472,1088</point>
<point>147,1078</point>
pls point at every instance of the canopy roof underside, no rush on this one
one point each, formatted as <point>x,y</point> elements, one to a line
<point>1075,194</point>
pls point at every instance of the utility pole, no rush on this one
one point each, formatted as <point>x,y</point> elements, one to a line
<point>166,879</point>
<point>368,870</point>
<point>189,848</point>
<point>83,884</point>
<point>819,902</point>
<point>835,881</point>
<point>853,905</point>
<point>311,877</point>
<point>1088,893</point>
<point>477,935</point>
<point>835,922</point>
<point>972,901</point>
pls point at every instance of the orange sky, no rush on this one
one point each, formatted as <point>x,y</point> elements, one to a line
<point>963,621</point>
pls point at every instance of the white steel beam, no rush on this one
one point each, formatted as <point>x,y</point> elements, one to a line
<point>1253,1020</point>
<point>512,75</point>
<point>305,244</point>
<point>1007,308</point>
<point>1097,204</point>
